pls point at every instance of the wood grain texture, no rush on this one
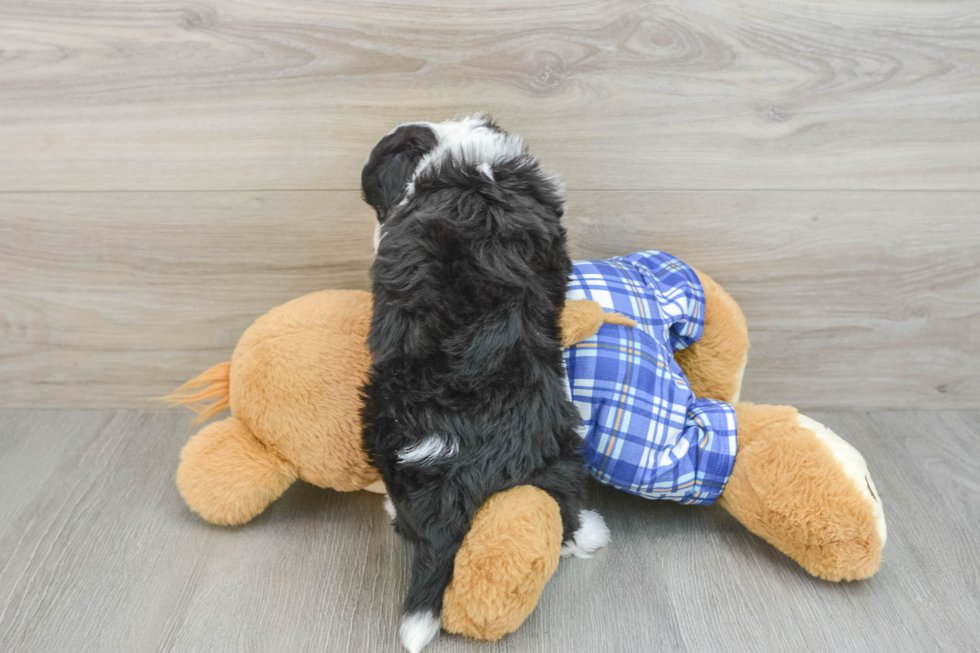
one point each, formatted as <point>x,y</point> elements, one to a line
<point>852,299</point>
<point>861,299</point>
<point>112,299</point>
<point>98,552</point>
<point>616,94</point>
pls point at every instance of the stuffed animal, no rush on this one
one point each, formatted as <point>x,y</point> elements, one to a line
<point>293,389</point>
<point>655,366</point>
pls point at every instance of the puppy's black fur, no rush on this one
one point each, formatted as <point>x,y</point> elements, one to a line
<point>391,163</point>
<point>469,281</point>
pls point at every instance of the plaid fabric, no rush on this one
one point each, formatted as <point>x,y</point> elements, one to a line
<point>645,432</point>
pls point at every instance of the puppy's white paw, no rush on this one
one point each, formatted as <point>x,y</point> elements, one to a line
<point>592,535</point>
<point>419,629</point>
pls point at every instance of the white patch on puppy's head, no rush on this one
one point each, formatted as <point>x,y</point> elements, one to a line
<point>475,142</point>
<point>472,144</point>
<point>471,141</point>
<point>486,170</point>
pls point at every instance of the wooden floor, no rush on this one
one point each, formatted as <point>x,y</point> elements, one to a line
<point>173,169</point>
<point>99,553</point>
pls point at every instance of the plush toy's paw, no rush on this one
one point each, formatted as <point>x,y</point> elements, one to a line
<point>510,552</point>
<point>855,468</point>
<point>227,476</point>
<point>806,491</point>
<point>592,535</point>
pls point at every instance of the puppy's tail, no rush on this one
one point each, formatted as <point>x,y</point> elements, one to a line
<point>212,384</point>
<point>432,570</point>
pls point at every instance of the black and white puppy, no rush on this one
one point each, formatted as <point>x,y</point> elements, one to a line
<point>466,395</point>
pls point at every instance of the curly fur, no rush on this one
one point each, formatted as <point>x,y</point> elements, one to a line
<point>469,283</point>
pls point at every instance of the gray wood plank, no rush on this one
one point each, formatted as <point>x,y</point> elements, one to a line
<point>24,434</point>
<point>617,94</point>
<point>110,300</point>
<point>857,299</point>
<point>934,532</point>
<point>103,556</point>
<point>854,300</point>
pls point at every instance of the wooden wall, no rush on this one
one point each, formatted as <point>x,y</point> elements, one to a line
<point>172,170</point>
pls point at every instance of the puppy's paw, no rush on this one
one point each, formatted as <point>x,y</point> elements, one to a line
<point>592,535</point>
<point>418,629</point>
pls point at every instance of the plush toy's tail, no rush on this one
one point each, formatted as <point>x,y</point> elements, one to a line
<point>212,384</point>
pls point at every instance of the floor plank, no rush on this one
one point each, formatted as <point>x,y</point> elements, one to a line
<point>857,299</point>
<point>617,94</point>
<point>97,552</point>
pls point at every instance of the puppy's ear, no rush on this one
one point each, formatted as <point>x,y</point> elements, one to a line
<point>393,160</point>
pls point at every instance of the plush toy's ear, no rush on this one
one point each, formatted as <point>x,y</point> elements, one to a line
<point>385,176</point>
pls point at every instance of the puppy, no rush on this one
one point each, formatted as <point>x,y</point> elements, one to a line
<point>466,395</point>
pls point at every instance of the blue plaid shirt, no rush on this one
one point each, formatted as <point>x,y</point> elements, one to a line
<point>645,432</point>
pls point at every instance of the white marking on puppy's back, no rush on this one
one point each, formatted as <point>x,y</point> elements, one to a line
<point>418,629</point>
<point>428,450</point>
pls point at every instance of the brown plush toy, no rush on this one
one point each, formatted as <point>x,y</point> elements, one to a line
<point>293,389</point>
